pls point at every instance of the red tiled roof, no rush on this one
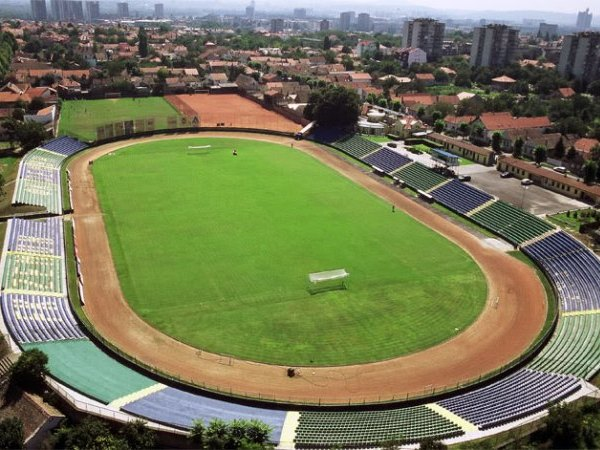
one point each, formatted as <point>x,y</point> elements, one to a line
<point>585,145</point>
<point>566,92</point>
<point>460,119</point>
<point>505,121</point>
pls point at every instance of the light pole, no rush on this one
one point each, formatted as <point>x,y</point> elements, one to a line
<point>525,188</point>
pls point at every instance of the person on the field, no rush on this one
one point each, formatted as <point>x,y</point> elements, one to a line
<point>234,152</point>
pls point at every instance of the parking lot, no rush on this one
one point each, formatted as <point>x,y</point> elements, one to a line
<point>532,198</point>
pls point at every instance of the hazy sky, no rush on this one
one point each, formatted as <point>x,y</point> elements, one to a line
<point>571,6</point>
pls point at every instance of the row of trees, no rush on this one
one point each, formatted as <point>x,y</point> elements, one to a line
<point>8,46</point>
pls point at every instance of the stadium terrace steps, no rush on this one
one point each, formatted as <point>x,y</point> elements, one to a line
<point>540,237</point>
<point>64,145</point>
<point>511,223</point>
<point>81,365</point>
<point>465,425</point>
<point>459,197</point>
<point>479,208</point>
<point>356,146</point>
<point>180,409</point>
<point>39,180</point>
<point>372,428</point>
<point>573,269</point>
<point>523,393</point>
<point>419,177</point>
<point>574,349</point>
<point>386,160</point>
<point>36,318</point>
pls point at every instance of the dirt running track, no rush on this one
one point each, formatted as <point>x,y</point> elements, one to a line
<point>499,335</point>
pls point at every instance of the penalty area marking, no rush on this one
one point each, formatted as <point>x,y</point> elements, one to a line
<point>199,146</point>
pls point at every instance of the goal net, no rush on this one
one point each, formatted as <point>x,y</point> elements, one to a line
<point>328,280</point>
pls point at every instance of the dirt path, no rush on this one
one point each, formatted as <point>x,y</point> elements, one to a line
<point>498,336</point>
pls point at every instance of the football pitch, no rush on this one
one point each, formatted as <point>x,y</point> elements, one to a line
<point>80,118</point>
<point>215,249</point>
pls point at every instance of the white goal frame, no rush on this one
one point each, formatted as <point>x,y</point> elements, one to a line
<point>328,280</point>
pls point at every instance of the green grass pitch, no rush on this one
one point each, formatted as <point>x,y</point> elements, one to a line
<point>215,250</point>
<point>80,118</point>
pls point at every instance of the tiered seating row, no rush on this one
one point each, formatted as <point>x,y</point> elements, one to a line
<point>460,197</point>
<point>356,146</point>
<point>36,318</point>
<point>513,224</point>
<point>419,177</point>
<point>523,393</point>
<point>64,145</point>
<point>574,270</point>
<point>38,181</point>
<point>574,349</point>
<point>42,237</point>
<point>371,428</point>
<point>387,160</point>
<point>179,408</point>
<point>31,273</point>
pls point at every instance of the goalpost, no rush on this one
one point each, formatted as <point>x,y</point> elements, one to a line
<point>328,280</point>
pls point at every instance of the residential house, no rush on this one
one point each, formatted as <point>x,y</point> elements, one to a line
<point>503,121</point>
<point>584,147</point>
<point>503,83</point>
<point>453,123</point>
<point>410,55</point>
<point>426,78</point>
<point>365,46</point>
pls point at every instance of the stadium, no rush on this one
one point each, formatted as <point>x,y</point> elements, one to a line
<point>171,281</point>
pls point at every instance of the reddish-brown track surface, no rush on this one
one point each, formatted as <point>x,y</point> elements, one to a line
<point>231,110</point>
<point>503,331</point>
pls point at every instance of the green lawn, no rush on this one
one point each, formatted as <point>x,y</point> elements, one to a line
<point>215,250</point>
<point>80,118</point>
<point>374,138</point>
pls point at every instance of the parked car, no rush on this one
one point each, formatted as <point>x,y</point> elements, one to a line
<point>464,178</point>
<point>392,144</point>
<point>526,182</point>
<point>505,175</point>
<point>560,169</point>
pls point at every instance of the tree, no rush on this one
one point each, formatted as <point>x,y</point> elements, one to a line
<point>432,444</point>
<point>30,369</point>
<point>438,126</point>
<point>518,147</point>
<point>595,152</point>
<point>590,171</point>
<point>559,149</point>
<point>333,105</point>
<point>564,426</point>
<point>594,88</point>
<point>30,134</point>
<point>540,154</point>
<point>90,434</point>
<point>36,104</point>
<point>326,43</point>
<point>436,115</point>
<point>197,433</point>
<point>217,434</point>
<point>496,140</point>
<point>441,76</point>
<point>143,42</point>
<point>11,433</point>
<point>571,153</point>
<point>137,435</point>
<point>463,128</point>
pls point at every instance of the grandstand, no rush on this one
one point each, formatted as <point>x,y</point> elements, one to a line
<point>511,223</point>
<point>39,318</point>
<point>419,177</point>
<point>39,181</point>
<point>460,197</point>
<point>356,146</point>
<point>180,408</point>
<point>372,428</point>
<point>574,349</point>
<point>386,160</point>
<point>521,394</point>
<point>571,267</point>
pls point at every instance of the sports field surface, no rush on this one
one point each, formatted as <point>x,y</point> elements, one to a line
<point>80,118</point>
<point>230,110</point>
<point>215,250</point>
